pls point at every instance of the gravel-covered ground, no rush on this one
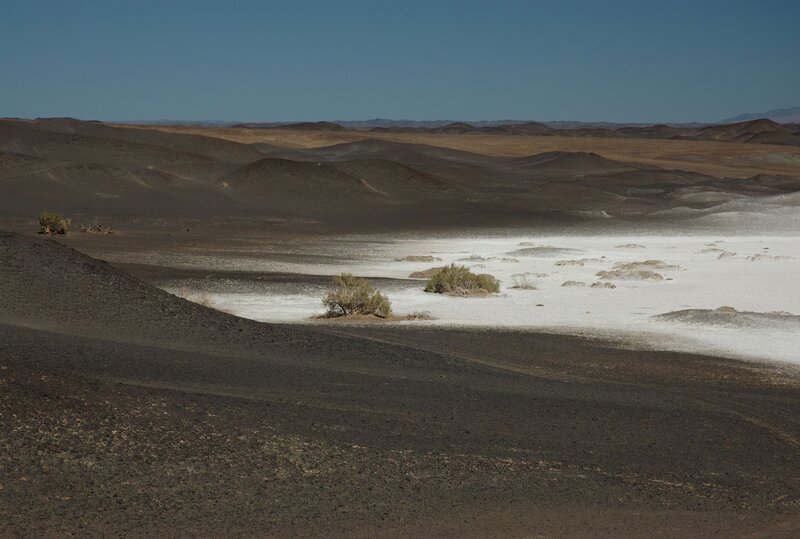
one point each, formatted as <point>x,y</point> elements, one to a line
<point>128,411</point>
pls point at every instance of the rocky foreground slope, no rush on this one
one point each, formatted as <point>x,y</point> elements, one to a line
<point>128,411</point>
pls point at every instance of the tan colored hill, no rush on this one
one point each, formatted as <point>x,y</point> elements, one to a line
<point>739,132</point>
<point>570,164</point>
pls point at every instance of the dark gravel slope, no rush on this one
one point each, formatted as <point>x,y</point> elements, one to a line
<point>127,411</point>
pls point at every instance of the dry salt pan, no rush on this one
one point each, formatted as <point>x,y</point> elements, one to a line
<point>678,273</point>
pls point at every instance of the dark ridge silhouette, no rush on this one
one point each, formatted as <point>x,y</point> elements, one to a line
<point>570,163</point>
<point>301,126</point>
<point>739,132</point>
<point>768,131</point>
<point>455,128</point>
<point>218,149</point>
<point>783,116</point>
<point>527,128</point>
<point>655,131</point>
<point>311,126</point>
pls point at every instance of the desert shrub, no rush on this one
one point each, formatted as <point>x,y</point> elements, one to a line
<point>646,265</point>
<point>631,275</point>
<point>420,258</point>
<point>97,226</point>
<point>425,274</point>
<point>523,281</point>
<point>459,281</point>
<point>355,296</point>
<point>52,223</point>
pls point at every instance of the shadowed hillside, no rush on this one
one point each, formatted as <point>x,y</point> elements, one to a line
<point>83,169</point>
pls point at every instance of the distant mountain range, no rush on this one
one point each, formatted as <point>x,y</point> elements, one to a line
<point>436,124</point>
<point>782,116</point>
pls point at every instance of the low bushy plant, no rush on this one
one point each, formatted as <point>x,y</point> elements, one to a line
<point>355,296</point>
<point>459,281</point>
<point>52,223</point>
<point>97,227</point>
<point>523,281</point>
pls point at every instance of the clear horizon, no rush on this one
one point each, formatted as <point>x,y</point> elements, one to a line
<point>620,61</point>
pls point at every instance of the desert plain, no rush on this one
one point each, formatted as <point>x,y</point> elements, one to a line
<point>165,374</point>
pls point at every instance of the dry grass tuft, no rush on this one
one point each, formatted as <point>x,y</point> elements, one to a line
<point>523,281</point>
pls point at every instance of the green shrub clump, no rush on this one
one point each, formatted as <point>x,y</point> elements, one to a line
<point>52,223</point>
<point>459,281</point>
<point>355,296</point>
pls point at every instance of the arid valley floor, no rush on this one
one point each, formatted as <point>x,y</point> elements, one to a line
<point>168,379</point>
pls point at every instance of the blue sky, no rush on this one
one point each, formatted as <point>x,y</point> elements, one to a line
<point>643,61</point>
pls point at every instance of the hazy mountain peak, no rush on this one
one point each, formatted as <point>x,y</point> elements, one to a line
<point>783,116</point>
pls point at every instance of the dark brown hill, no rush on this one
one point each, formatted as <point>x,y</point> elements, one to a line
<point>455,128</point>
<point>423,157</point>
<point>739,132</point>
<point>527,128</point>
<point>301,182</point>
<point>312,126</point>
<point>300,126</point>
<point>761,131</point>
<point>654,131</point>
<point>47,285</point>
<point>362,190</point>
<point>783,138</point>
<point>89,167</point>
<point>510,180</point>
<point>569,164</point>
<point>397,181</point>
<point>94,188</point>
<point>594,132</point>
<point>215,148</point>
<point>38,140</point>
